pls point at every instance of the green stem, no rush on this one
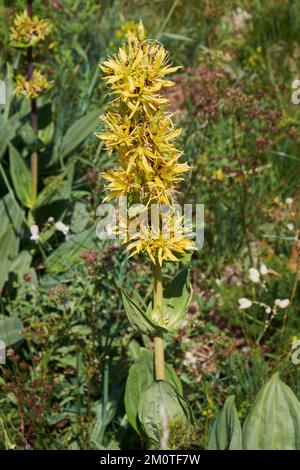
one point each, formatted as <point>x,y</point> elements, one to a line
<point>34,115</point>
<point>159,358</point>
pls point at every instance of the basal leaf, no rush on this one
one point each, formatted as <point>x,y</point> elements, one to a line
<point>159,402</point>
<point>274,422</point>
<point>141,375</point>
<point>226,433</point>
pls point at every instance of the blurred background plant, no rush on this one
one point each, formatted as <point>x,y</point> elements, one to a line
<point>68,341</point>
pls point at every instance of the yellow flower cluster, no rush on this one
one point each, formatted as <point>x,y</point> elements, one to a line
<point>31,88</point>
<point>142,133</point>
<point>27,31</point>
<point>166,241</point>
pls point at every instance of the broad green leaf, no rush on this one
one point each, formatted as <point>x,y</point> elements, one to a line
<point>226,433</point>
<point>274,421</point>
<point>58,188</point>
<point>8,131</point>
<point>11,221</point>
<point>176,300</point>
<point>10,330</point>
<point>80,217</point>
<point>64,257</point>
<point>10,215</point>
<point>78,132</point>
<point>175,303</point>
<point>138,318</point>
<point>162,401</point>
<point>21,177</point>
<point>141,375</point>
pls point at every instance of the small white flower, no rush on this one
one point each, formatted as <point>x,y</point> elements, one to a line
<point>244,303</point>
<point>254,275</point>
<point>290,227</point>
<point>282,303</point>
<point>268,309</point>
<point>50,220</point>
<point>34,233</point>
<point>263,270</point>
<point>289,201</point>
<point>240,18</point>
<point>61,227</point>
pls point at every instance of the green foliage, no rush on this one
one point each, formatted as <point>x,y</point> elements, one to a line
<point>272,424</point>
<point>274,421</point>
<point>10,235</point>
<point>140,377</point>
<point>77,133</point>
<point>177,296</point>
<point>161,407</point>
<point>138,319</point>
<point>227,432</point>
<point>176,300</point>
<point>21,177</point>
<point>11,330</point>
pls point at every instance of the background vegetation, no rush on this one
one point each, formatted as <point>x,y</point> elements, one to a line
<point>70,344</point>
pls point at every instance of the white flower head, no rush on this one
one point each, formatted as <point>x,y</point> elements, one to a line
<point>254,275</point>
<point>240,18</point>
<point>61,227</point>
<point>290,227</point>
<point>244,303</point>
<point>282,303</point>
<point>34,233</point>
<point>263,270</point>
<point>268,309</point>
<point>289,201</point>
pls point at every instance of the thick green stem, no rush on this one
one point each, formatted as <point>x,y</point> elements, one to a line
<point>158,340</point>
